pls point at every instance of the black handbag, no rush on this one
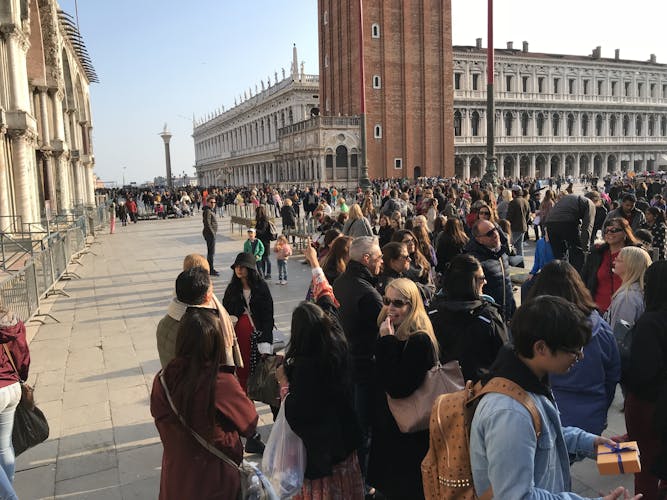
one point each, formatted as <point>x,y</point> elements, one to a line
<point>30,424</point>
<point>262,382</point>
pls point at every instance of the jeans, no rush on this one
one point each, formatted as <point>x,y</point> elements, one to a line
<point>282,270</point>
<point>9,399</point>
<point>265,263</point>
<point>363,395</point>
<point>210,248</point>
<point>517,241</point>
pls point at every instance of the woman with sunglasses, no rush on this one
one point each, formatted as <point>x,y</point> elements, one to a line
<point>598,272</point>
<point>405,351</point>
<point>586,391</point>
<point>420,269</point>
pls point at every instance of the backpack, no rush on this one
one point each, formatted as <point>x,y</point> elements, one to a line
<point>273,232</point>
<point>446,470</point>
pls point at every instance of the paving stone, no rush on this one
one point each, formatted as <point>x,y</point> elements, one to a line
<point>39,456</point>
<point>77,464</point>
<point>99,485</point>
<point>87,438</point>
<point>140,463</point>
<point>142,489</point>
<point>84,397</point>
<point>84,415</point>
<point>37,483</point>
<point>134,435</point>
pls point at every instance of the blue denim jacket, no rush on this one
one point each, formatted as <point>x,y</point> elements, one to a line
<point>505,453</point>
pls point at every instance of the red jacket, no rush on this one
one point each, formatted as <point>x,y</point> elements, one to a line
<point>188,469</point>
<point>12,334</point>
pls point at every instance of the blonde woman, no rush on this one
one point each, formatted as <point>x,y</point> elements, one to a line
<point>357,224</point>
<point>406,350</point>
<point>627,303</point>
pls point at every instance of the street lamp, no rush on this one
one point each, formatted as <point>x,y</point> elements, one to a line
<point>166,136</point>
<point>124,169</point>
<point>364,182</point>
<point>490,176</point>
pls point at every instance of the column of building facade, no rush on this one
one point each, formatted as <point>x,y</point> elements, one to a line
<point>22,142</point>
<point>62,182</point>
<point>5,191</point>
<point>466,167</point>
<point>576,166</point>
<point>45,146</point>
<point>531,172</point>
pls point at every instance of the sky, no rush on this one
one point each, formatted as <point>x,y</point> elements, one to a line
<point>161,61</point>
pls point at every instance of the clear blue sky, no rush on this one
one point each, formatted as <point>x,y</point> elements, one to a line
<point>163,60</point>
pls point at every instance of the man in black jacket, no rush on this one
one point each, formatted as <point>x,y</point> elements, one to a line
<point>360,306</point>
<point>210,228</point>
<point>489,245</point>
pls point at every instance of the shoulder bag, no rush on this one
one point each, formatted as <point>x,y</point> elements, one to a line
<point>412,414</point>
<point>30,425</point>
<point>262,382</point>
<point>254,485</point>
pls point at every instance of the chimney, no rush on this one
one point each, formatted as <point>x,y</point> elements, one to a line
<point>617,54</point>
<point>652,58</point>
<point>525,46</point>
<point>510,45</point>
<point>597,52</point>
<point>478,43</point>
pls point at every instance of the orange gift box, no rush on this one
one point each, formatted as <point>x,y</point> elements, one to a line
<point>622,459</point>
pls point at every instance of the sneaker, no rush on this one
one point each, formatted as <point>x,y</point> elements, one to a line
<point>284,282</point>
<point>254,445</point>
<point>215,273</point>
<point>267,277</point>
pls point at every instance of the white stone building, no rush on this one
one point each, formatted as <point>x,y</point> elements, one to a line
<point>559,114</point>
<point>239,146</point>
<point>46,154</point>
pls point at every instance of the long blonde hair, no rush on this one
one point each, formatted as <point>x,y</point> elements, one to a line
<point>636,261</point>
<point>355,212</point>
<point>417,320</point>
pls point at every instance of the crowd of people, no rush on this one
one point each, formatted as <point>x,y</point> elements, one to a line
<point>405,276</point>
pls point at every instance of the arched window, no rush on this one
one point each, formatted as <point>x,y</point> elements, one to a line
<point>570,125</point>
<point>639,125</point>
<point>291,116</point>
<point>328,161</point>
<point>508,123</point>
<point>663,126</point>
<point>584,125</point>
<point>651,126</point>
<point>524,123</point>
<point>341,157</point>
<point>540,124</point>
<point>377,131</point>
<point>612,126</point>
<point>457,123</point>
<point>598,125</point>
<point>474,123</point>
<point>375,30</point>
<point>556,124</point>
<point>377,82</point>
<point>626,125</point>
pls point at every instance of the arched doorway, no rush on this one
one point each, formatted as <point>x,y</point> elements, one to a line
<point>569,165</point>
<point>611,164</point>
<point>555,160</point>
<point>475,167</point>
<point>540,164</point>
<point>524,166</point>
<point>417,172</point>
<point>584,167</point>
<point>597,165</point>
<point>458,167</point>
<point>508,166</point>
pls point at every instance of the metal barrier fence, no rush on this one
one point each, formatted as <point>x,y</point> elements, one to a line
<point>23,290</point>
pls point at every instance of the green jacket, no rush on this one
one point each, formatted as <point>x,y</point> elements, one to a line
<point>259,249</point>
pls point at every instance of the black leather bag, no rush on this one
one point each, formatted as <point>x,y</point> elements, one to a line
<point>263,383</point>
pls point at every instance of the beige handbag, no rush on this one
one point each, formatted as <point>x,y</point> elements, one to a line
<point>412,414</point>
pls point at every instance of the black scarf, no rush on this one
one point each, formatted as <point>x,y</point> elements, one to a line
<point>509,366</point>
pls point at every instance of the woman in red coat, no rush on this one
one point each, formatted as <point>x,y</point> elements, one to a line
<point>208,396</point>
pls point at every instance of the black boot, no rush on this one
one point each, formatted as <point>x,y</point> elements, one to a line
<point>254,444</point>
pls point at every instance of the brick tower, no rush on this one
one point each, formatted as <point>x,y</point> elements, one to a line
<point>408,80</point>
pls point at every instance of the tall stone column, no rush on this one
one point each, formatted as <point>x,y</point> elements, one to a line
<point>21,141</point>
<point>5,192</point>
<point>531,173</point>
<point>577,166</point>
<point>517,166</point>
<point>16,45</point>
<point>561,168</point>
<point>90,185</point>
<point>466,167</point>
<point>62,182</point>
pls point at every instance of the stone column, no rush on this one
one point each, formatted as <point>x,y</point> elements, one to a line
<point>466,167</point>
<point>16,48</point>
<point>603,167</point>
<point>90,185</point>
<point>577,166</point>
<point>4,184</point>
<point>531,172</point>
<point>21,141</point>
<point>561,168</point>
<point>517,166</point>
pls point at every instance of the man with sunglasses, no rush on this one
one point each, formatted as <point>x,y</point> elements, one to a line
<point>489,245</point>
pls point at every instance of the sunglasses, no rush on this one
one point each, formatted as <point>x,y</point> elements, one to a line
<point>403,257</point>
<point>485,213</point>
<point>613,230</point>
<point>395,302</point>
<point>577,353</point>
<point>489,233</point>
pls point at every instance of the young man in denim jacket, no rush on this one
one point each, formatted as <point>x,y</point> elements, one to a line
<point>505,454</point>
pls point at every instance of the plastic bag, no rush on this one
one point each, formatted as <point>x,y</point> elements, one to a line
<point>284,460</point>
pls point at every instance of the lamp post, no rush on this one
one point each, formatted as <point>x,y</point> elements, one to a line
<point>166,136</point>
<point>490,175</point>
<point>124,169</point>
<point>364,182</point>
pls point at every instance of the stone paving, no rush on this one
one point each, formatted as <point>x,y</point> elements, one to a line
<point>93,371</point>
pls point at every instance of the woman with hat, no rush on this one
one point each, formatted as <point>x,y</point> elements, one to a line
<point>248,298</point>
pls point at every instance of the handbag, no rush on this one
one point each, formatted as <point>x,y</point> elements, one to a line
<point>254,484</point>
<point>412,414</point>
<point>30,424</point>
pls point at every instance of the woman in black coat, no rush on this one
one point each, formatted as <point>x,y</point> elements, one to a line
<point>264,235</point>
<point>289,217</point>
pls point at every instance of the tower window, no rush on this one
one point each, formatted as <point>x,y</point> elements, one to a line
<point>375,30</point>
<point>457,81</point>
<point>398,163</point>
<point>377,131</point>
<point>475,81</point>
<point>377,82</point>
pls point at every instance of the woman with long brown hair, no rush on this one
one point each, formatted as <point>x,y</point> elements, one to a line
<point>335,262</point>
<point>419,267</point>
<point>451,243</point>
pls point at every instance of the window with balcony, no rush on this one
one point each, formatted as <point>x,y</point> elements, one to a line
<point>398,163</point>
<point>640,89</point>
<point>626,125</point>
<point>377,83</point>
<point>663,126</point>
<point>377,131</point>
<point>570,86</point>
<point>524,84</point>
<point>626,89</point>
<point>651,126</point>
<point>639,126</point>
<point>555,121</point>
<point>570,125</point>
<point>457,81</point>
<point>540,124</point>
<point>508,83</point>
<point>524,124</point>
<point>614,88</point>
<point>341,157</point>
<point>664,91</point>
<point>600,86</point>
<point>375,30</point>
<point>584,125</point>
<point>540,84</point>
<point>474,123</point>
<point>652,90</point>
<point>556,85</point>
<point>598,125</point>
<point>612,126</point>
<point>475,81</point>
<point>457,123</point>
<point>586,86</point>
<point>328,161</point>
<point>509,121</point>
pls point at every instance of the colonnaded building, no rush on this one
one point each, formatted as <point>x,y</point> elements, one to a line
<point>555,115</point>
<point>46,153</point>
<point>560,114</point>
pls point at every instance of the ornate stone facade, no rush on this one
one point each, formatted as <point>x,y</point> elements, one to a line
<point>559,114</point>
<point>46,156</point>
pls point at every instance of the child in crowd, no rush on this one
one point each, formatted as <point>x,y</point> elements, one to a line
<point>253,245</point>
<point>283,250</point>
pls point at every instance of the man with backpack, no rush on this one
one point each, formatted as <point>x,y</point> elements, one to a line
<point>549,334</point>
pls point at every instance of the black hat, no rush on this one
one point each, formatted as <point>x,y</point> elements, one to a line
<point>245,259</point>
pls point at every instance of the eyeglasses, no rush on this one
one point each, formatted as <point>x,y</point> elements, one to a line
<point>403,257</point>
<point>484,213</point>
<point>577,353</point>
<point>408,241</point>
<point>613,230</point>
<point>490,232</point>
<point>395,302</point>
<point>480,279</point>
